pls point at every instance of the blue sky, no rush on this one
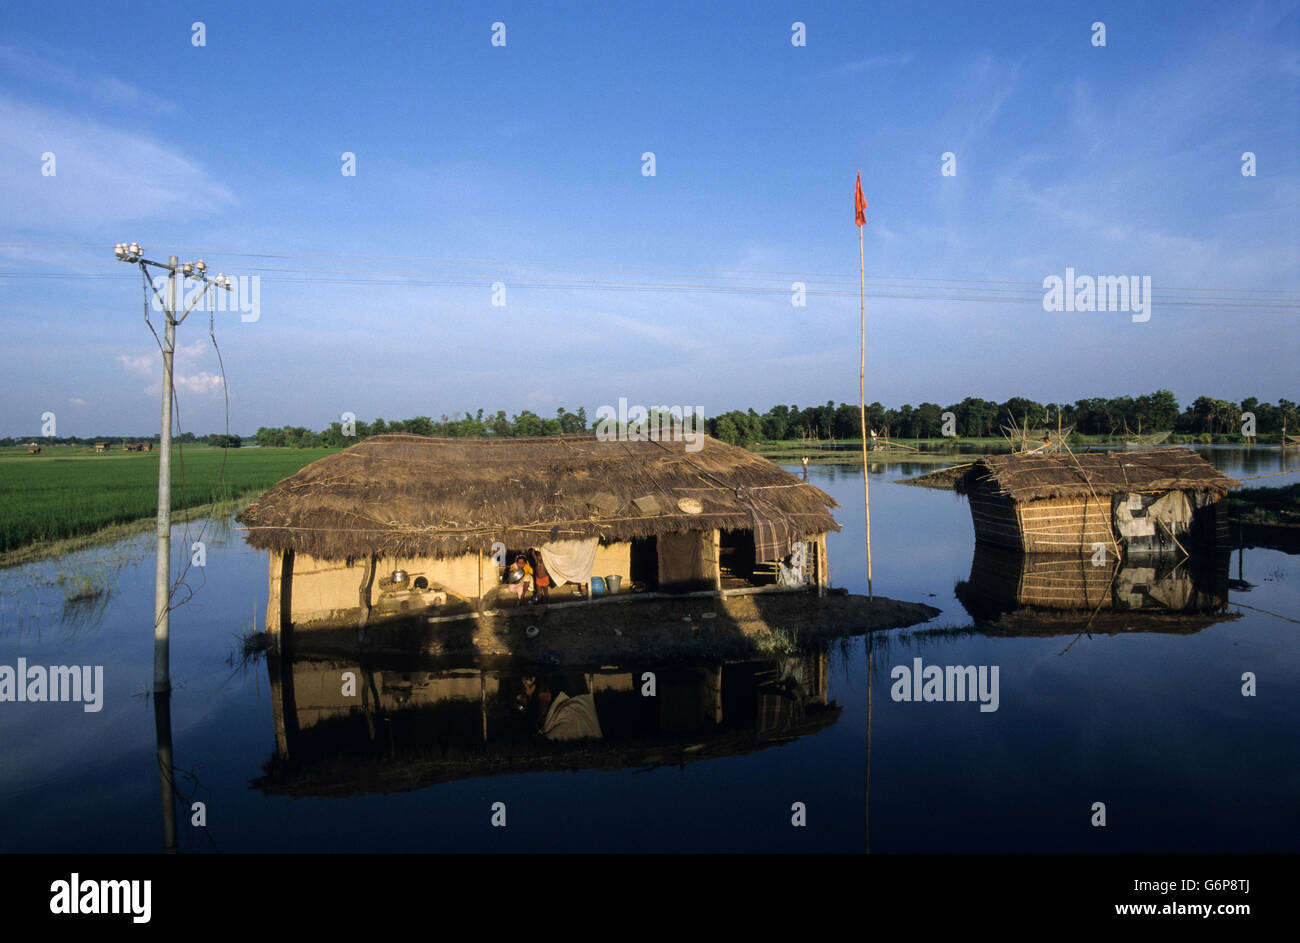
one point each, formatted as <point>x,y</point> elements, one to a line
<point>523,165</point>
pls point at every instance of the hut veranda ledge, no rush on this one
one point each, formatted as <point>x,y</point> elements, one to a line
<point>408,525</point>
<point>1154,501</point>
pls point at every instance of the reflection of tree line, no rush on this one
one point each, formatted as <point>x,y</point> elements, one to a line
<point>410,727</point>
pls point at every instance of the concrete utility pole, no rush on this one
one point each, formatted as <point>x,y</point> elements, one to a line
<point>162,577</point>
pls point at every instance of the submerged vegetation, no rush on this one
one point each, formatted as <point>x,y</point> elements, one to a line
<point>779,641</point>
<point>79,587</point>
<point>250,647</point>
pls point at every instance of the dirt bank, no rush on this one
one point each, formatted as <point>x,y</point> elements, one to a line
<point>663,629</point>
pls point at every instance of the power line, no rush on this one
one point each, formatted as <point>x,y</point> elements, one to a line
<point>723,274</point>
<point>899,292</point>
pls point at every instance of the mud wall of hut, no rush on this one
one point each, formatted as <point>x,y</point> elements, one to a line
<point>688,562</point>
<point>324,590</point>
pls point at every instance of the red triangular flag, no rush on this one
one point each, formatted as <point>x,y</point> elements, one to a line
<point>860,203</point>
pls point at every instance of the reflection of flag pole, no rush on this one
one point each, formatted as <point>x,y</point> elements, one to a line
<point>871,635</point>
<point>860,208</point>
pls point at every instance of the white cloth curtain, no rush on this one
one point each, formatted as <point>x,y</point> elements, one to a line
<point>572,718</point>
<point>569,561</point>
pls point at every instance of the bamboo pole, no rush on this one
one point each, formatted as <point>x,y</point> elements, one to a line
<point>862,415</point>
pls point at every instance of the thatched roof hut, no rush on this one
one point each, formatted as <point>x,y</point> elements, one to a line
<point>1027,477</point>
<point>444,515</point>
<point>1149,500</point>
<point>407,495</point>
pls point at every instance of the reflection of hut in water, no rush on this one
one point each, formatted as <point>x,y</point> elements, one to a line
<point>409,524</point>
<point>1068,591</point>
<point>1153,501</point>
<point>410,725</point>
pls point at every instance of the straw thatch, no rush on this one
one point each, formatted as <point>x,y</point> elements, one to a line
<point>1029,477</point>
<point>408,496</point>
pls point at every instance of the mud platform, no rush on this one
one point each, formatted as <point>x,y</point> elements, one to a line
<point>620,627</point>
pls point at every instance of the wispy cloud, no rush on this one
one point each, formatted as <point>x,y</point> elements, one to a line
<point>891,61</point>
<point>101,175</point>
<point>45,64</point>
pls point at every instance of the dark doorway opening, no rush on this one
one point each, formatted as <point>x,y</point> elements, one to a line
<point>644,566</point>
<point>737,558</point>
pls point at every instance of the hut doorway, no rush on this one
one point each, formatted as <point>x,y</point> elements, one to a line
<point>738,561</point>
<point>644,563</point>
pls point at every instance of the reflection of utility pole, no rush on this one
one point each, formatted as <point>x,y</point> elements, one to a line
<point>162,578</point>
<point>162,716</point>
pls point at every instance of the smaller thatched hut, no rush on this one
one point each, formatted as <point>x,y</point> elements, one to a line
<point>1152,501</point>
<point>441,516</point>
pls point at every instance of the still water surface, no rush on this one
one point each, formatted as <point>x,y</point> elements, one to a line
<point>1153,724</point>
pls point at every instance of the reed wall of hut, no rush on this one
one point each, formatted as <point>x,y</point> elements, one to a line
<point>1153,501</point>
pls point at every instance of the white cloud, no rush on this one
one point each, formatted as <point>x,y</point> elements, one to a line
<point>203,382</point>
<point>103,176</point>
<point>187,357</point>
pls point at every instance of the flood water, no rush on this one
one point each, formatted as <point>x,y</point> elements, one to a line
<point>1152,722</point>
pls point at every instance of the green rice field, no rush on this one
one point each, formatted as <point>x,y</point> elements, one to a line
<point>69,491</point>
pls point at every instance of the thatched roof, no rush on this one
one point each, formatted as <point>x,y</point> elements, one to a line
<point>1058,475</point>
<point>407,495</point>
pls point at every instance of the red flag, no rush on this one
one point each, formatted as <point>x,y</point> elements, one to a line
<point>860,203</point>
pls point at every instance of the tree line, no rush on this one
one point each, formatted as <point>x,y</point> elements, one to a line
<point>972,417</point>
<point>117,441</point>
<point>526,423</point>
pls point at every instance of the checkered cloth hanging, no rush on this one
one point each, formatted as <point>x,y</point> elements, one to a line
<point>774,533</point>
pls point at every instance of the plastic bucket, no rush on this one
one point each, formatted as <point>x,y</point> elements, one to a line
<point>613,583</point>
<point>597,586</point>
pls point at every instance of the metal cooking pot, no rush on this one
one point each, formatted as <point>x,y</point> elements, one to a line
<point>516,574</point>
<point>399,576</point>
